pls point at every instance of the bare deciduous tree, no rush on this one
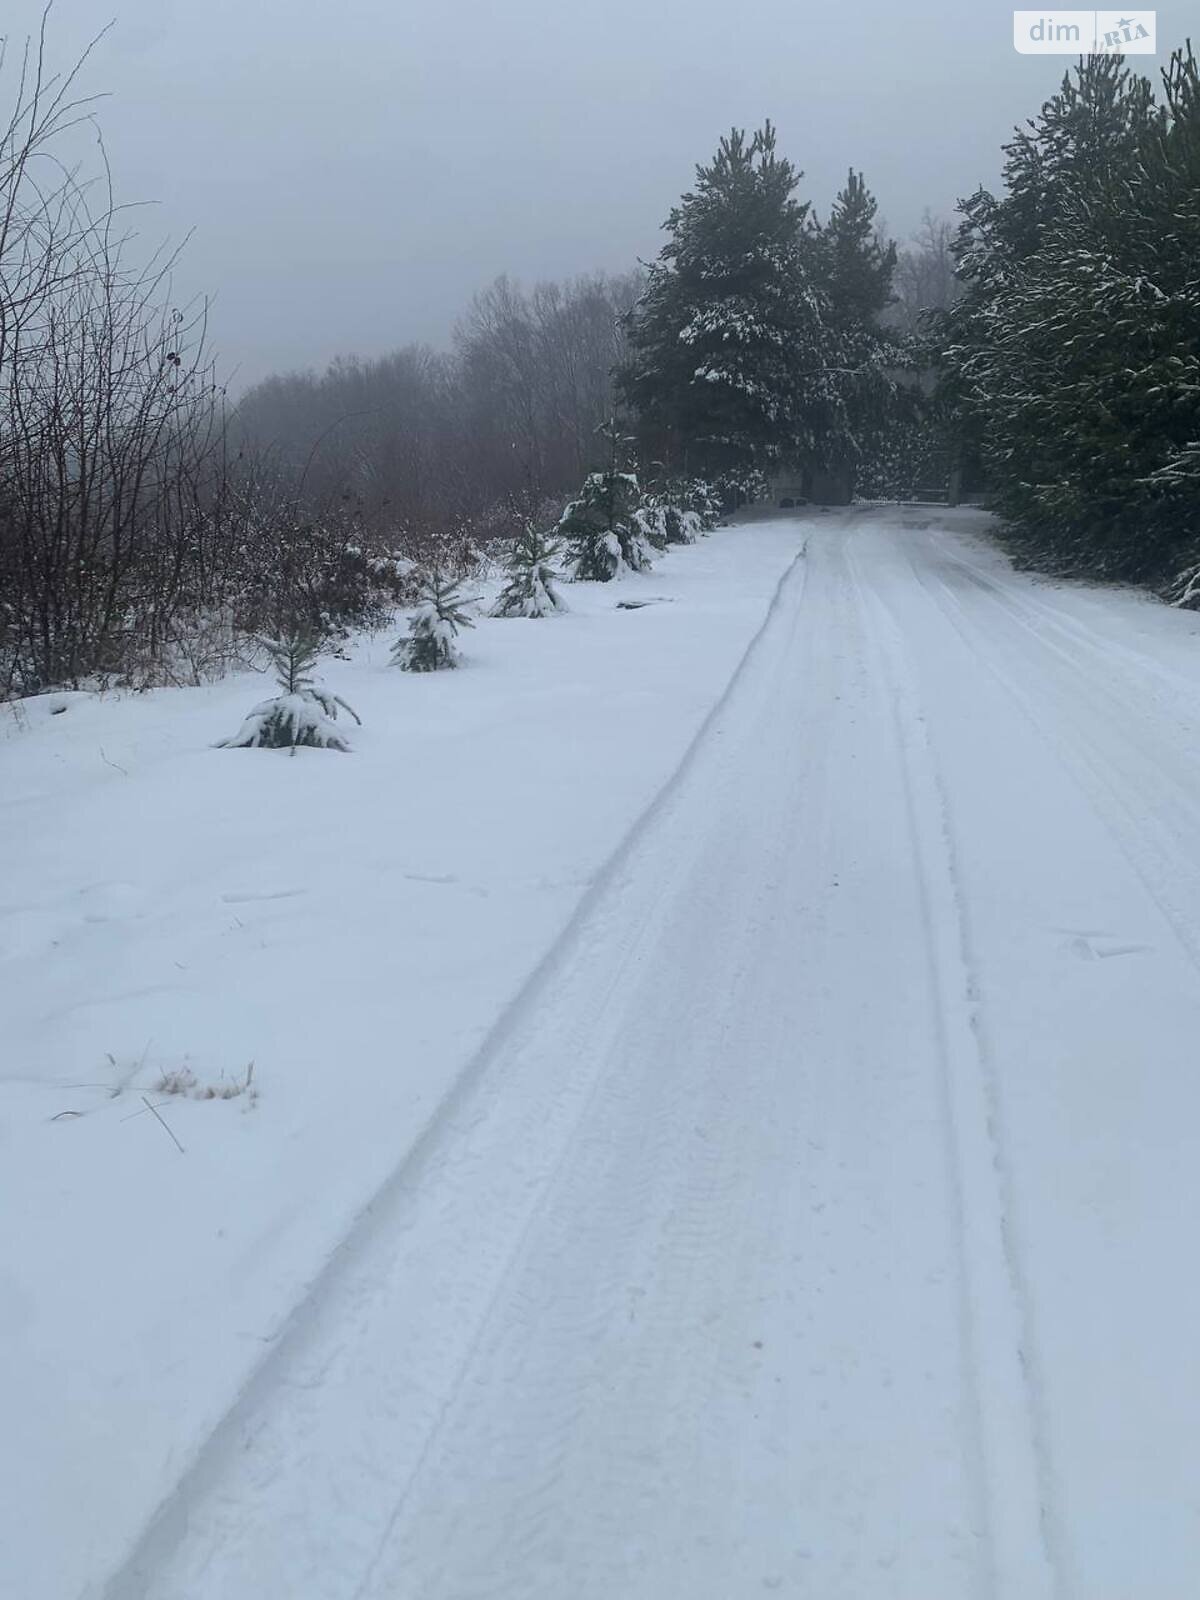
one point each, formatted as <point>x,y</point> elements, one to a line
<point>925,278</point>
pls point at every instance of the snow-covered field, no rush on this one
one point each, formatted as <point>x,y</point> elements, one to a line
<point>780,1170</point>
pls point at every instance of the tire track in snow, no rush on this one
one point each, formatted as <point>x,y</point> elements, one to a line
<point>1027,1554</point>
<point>1074,779</point>
<point>1130,819</point>
<point>505,1488</point>
<point>1074,630</point>
<point>289,1364</point>
<point>677,1232</point>
<point>680,1232</point>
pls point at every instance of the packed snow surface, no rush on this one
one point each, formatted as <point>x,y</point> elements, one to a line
<point>800,1200</point>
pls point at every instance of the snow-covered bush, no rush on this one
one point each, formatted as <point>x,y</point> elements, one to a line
<point>531,589</point>
<point>302,714</point>
<point>431,644</point>
<point>601,531</point>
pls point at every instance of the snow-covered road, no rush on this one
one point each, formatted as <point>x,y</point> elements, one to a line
<point>820,1219</point>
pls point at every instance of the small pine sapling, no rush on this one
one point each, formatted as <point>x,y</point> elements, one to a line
<point>683,526</point>
<point>704,501</point>
<point>303,713</point>
<point>431,642</point>
<point>650,520</point>
<point>600,529</point>
<point>532,586</point>
<point>668,507</point>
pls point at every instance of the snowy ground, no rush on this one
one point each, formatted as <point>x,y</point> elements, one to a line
<point>817,1217</point>
<point>351,924</point>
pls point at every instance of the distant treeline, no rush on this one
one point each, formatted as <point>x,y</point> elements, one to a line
<point>426,443</point>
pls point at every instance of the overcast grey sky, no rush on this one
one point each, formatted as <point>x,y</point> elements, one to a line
<point>355,169</point>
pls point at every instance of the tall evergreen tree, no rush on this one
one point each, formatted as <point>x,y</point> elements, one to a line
<point>727,344</point>
<point>1075,352</point>
<point>859,266</point>
<point>856,269</point>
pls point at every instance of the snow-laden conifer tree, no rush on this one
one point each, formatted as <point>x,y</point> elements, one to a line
<point>303,713</point>
<point>654,522</point>
<point>431,643</point>
<point>728,345</point>
<point>531,589</point>
<point>600,529</point>
<point>1074,353</point>
<point>669,514</point>
<point>858,267</point>
<point>855,269</point>
<point>703,501</point>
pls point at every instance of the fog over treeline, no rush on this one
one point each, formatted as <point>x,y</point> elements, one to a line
<point>510,412</point>
<point>426,435</point>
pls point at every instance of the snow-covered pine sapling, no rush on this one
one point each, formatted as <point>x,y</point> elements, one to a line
<point>650,520</point>
<point>531,589</point>
<point>303,713</point>
<point>431,642</point>
<point>703,499</point>
<point>600,529</point>
<point>667,508</point>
